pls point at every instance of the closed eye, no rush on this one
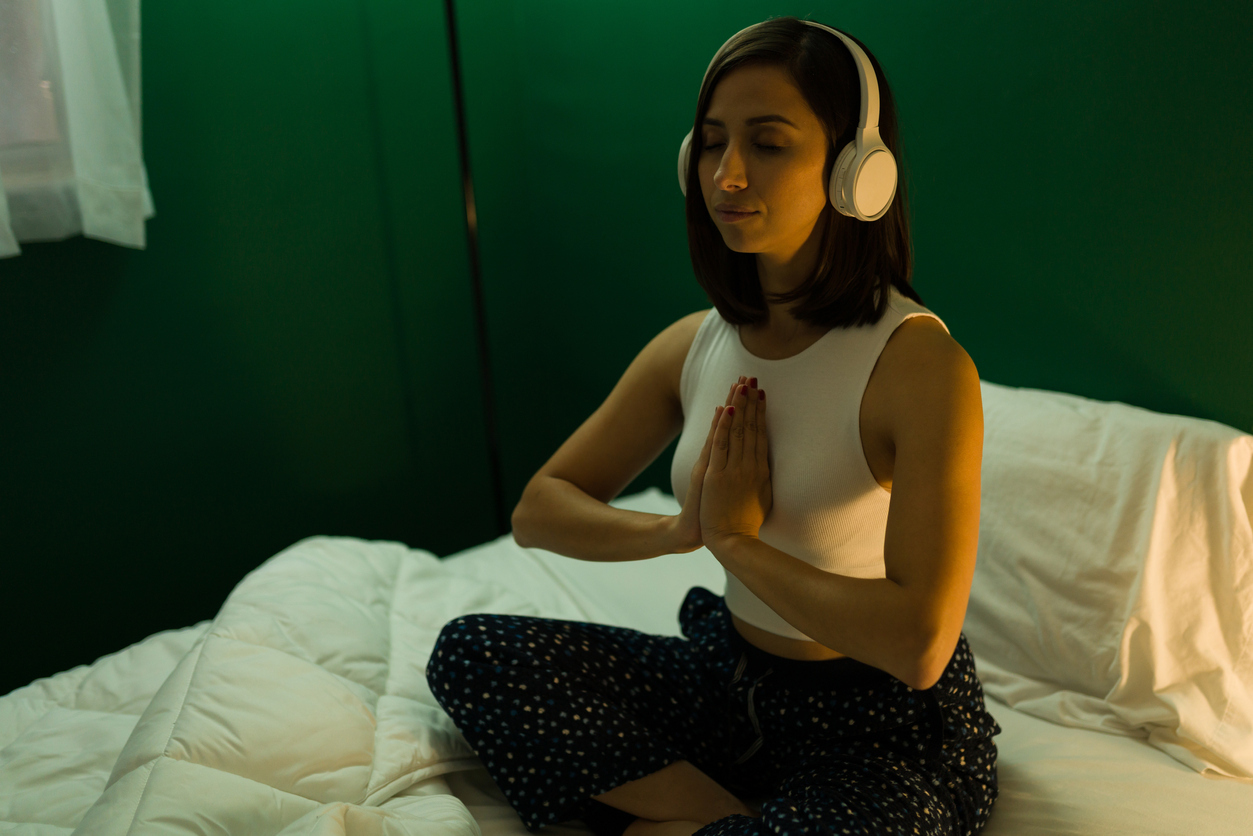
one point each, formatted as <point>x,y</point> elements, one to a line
<point>763,147</point>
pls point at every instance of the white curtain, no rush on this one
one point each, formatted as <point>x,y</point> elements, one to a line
<point>71,156</point>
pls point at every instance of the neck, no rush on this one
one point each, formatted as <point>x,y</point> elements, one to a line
<point>782,327</point>
<point>782,272</point>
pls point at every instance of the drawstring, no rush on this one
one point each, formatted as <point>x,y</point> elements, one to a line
<point>752,713</point>
<point>739,671</point>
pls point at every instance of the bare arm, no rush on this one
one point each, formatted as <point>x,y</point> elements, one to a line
<point>568,521</point>
<point>565,507</point>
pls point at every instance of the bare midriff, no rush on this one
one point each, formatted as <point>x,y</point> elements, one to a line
<point>784,646</point>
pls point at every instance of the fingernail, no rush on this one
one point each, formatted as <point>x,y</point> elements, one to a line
<point>730,410</point>
<point>761,394</point>
<point>744,389</point>
<point>752,382</point>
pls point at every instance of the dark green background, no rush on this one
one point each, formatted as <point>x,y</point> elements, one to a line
<point>295,352</point>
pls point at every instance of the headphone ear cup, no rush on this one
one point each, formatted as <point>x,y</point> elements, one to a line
<point>839,192</point>
<point>685,149</point>
<point>875,184</point>
<point>864,191</point>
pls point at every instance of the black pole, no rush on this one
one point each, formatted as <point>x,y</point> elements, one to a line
<point>476,280</point>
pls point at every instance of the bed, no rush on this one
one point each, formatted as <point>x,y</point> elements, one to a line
<point>1111,618</point>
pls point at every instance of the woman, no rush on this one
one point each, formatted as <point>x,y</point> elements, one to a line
<point>832,682</point>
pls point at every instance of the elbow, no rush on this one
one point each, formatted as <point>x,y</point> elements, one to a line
<point>523,521</point>
<point>930,662</point>
<point>517,522</point>
<point>925,682</point>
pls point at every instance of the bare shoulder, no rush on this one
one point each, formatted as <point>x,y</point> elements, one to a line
<point>675,343</point>
<point>922,340</point>
<point>931,380</point>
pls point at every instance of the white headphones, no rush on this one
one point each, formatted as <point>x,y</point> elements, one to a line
<point>863,180</point>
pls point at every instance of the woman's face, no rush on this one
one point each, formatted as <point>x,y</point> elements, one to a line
<point>772,168</point>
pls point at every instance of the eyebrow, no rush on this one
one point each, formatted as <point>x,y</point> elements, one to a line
<point>756,120</point>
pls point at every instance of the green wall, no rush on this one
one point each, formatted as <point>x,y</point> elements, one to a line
<point>296,351</point>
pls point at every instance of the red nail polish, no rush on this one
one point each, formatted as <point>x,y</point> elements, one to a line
<point>752,382</point>
<point>730,410</point>
<point>761,394</point>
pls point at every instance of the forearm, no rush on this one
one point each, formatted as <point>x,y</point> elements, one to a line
<point>557,515</point>
<point>873,620</point>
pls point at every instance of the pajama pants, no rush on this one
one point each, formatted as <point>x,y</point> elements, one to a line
<point>560,711</point>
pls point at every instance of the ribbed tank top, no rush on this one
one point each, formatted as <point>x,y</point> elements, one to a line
<point>828,510</point>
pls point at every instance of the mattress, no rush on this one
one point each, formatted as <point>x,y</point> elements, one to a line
<point>64,739</point>
<point>1053,779</point>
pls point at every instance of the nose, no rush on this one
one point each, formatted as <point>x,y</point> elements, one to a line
<point>730,171</point>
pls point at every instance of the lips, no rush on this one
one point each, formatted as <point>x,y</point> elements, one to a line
<point>732,217</point>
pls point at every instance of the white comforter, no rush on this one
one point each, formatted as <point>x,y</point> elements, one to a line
<point>302,708</point>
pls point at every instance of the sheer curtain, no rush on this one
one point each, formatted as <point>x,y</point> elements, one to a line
<point>71,156</point>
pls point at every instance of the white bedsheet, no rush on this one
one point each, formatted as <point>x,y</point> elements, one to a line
<point>1053,779</point>
<point>302,709</point>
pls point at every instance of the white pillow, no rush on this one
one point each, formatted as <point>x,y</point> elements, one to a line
<point>1114,582</point>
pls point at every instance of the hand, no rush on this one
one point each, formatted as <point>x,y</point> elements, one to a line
<point>736,494</point>
<point>687,523</point>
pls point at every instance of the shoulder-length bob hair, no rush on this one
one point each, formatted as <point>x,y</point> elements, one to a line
<point>858,261</point>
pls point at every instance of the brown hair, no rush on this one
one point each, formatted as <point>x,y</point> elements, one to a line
<point>858,261</point>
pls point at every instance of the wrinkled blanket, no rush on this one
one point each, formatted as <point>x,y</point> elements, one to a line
<point>302,708</point>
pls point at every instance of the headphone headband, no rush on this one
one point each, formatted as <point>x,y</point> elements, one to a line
<point>863,180</point>
<point>865,72</point>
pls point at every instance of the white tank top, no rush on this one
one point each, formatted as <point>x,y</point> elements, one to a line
<point>828,510</point>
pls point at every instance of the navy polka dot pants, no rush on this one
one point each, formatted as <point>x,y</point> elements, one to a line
<point>560,711</point>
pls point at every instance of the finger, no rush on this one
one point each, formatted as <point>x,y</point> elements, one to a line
<point>750,421</point>
<point>709,440</point>
<point>718,411</point>
<point>735,447</point>
<point>718,414</point>
<point>722,432</point>
<point>763,449</point>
